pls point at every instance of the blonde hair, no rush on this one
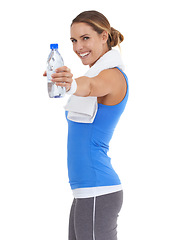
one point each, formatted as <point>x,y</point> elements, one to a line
<point>100,23</point>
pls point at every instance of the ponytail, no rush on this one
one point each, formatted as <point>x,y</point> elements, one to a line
<point>115,38</point>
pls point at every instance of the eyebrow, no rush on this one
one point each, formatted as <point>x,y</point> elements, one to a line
<point>81,36</point>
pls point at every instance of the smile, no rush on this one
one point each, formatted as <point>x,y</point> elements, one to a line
<point>83,55</point>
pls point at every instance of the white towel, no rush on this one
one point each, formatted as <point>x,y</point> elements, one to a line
<point>84,109</point>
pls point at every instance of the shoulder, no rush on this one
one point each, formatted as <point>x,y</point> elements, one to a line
<point>117,84</point>
<point>111,72</point>
<point>113,75</point>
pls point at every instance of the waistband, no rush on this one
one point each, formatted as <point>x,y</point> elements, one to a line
<point>95,191</point>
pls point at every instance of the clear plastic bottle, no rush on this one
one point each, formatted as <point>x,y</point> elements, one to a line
<point>54,61</point>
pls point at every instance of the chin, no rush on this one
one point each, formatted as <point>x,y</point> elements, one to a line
<point>87,63</point>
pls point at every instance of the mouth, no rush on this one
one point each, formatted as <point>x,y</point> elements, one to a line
<point>84,55</point>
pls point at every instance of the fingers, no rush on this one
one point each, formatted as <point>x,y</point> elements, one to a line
<point>62,75</point>
<point>64,78</point>
<point>66,85</point>
<point>62,69</point>
<point>58,70</point>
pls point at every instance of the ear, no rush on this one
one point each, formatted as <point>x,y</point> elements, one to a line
<point>105,36</point>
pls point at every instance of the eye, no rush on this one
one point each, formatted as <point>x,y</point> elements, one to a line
<point>73,40</point>
<point>85,38</point>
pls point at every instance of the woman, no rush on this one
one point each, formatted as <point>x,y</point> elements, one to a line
<point>97,102</point>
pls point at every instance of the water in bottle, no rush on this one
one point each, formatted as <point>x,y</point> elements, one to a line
<point>54,61</point>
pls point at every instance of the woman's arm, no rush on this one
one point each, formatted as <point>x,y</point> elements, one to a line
<point>109,81</point>
<point>106,82</point>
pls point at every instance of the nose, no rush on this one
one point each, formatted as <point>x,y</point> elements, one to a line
<point>78,46</point>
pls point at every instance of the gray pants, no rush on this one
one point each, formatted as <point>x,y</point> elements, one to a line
<point>95,218</point>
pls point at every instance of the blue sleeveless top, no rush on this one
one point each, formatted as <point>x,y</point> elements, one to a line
<point>88,143</point>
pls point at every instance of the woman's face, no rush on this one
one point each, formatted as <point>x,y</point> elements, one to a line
<point>87,43</point>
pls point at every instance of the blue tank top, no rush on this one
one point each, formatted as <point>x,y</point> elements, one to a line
<point>88,144</point>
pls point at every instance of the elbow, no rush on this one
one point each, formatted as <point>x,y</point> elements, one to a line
<point>84,87</point>
<point>90,88</point>
<point>87,90</point>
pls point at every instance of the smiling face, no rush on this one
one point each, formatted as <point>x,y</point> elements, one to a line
<point>87,43</point>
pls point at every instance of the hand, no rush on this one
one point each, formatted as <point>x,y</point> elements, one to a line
<point>62,77</point>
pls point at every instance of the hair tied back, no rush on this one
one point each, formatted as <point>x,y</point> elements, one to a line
<point>115,37</point>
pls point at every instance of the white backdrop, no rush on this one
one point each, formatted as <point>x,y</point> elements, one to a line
<point>35,196</point>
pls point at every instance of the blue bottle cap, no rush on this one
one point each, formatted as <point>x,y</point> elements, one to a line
<point>54,46</point>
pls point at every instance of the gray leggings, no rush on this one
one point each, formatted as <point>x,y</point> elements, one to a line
<point>95,218</point>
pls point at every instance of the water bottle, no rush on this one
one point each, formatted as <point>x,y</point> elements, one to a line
<point>54,61</point>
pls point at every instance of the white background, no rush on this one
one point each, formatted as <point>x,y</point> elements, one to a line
<point>35,196</point>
